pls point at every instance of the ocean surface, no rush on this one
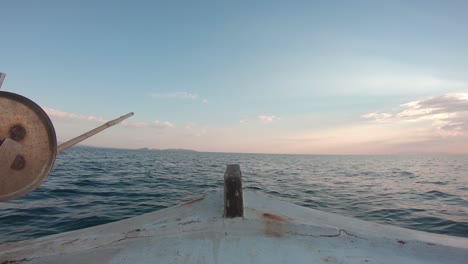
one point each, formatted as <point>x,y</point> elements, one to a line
<point>93,186</point>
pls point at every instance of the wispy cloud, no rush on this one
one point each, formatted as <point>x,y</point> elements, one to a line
<point>65,115</point>
<point>379,117</point>
<point>267,118</point>
<point>164,124</point>
<point>179,95</point>
<point>154,124</point>
<point>448,113</point>
<point>195,130</point>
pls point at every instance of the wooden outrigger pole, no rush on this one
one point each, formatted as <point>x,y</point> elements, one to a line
<point>91,133</point>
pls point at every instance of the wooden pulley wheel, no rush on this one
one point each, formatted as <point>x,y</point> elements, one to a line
<point>28,146</point>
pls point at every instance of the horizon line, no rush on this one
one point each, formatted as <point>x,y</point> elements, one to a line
<point>264,153</point>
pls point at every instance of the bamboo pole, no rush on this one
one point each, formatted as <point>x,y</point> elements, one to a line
<point>91,133</point>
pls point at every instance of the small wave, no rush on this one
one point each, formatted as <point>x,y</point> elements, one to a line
<point>65,191</point>
<point>403,173</point>
<point>310,192</point>
<point>433,182</point>
<point>74,223</point>
<point>408,173</point>
<point>439,224</point>
<point>85,183</point>
<point>314,204</point>
<point>254,188</point>
<point>435,193</point>
<point>390,213</point>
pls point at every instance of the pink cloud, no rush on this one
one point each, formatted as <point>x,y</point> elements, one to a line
<point>448,113</point>
<point>65,115</point>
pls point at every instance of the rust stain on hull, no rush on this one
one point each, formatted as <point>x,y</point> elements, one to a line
<point>275,217</point>
<point>193,201</point>
<point>274,224</point>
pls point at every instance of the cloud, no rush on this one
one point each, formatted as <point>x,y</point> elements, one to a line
<point>65,115</point>
<point>154,124</point>
<point>267,118</point>
<point>164,124</point>
<point>379,117</point>
<point>179,95</point>
<point>194,130</point>
<point>448,113</point>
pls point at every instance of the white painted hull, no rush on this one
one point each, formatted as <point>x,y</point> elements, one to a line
<point>271,231</point>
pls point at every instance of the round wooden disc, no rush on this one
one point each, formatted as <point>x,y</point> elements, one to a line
<point>25,122</point>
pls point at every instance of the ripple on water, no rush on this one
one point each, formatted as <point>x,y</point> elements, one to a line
<point>437,194</point>
<point>433,182</point>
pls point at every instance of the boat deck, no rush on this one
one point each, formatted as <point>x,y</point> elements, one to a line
<point>271,231</point>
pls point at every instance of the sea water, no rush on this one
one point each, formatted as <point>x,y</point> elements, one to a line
<point>93,186</point>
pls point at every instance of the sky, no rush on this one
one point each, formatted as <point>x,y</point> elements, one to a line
<point>303,77</point>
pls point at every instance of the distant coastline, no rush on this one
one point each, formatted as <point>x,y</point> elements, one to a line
<point>140,149</point>
<point>169,150</point>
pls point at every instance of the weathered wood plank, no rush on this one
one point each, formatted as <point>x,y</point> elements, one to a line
<point>233,198</point>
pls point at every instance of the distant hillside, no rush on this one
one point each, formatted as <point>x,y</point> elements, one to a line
<point>142,149</point>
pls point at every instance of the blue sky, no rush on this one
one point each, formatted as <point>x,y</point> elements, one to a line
<point>246,76</point>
